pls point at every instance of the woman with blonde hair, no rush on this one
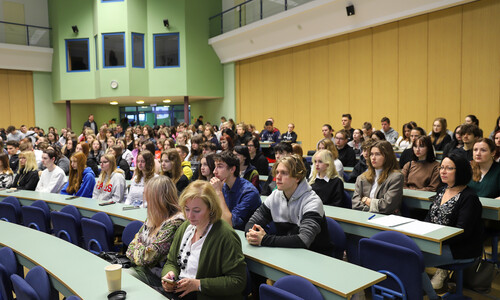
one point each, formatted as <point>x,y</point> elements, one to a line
<point>325,179</point>
<point>205,258</point>
<point>6,174</point>
<point>144,171</point>
<point>171,167</point>
<point>149,248</point>
<point>380,188</point>
<point>439,136</point>
<point>81,179</point>
<point>27,176</point>
<point>111,184</point>
<point>330,146</point>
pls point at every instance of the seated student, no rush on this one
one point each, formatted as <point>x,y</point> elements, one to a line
<point>361,166</point>
<point>6,174</point>
<point>270,134</point>
<point>27,176</point>
<point>327,132</point>
<point>237,196</point>
<point>12,150</point>
<point>357,140</point>
<point>207,167</point>
<point>485,171</point>
<point>144,171</point>
<point>53,178</point>
<point>186,165</point>
<point>247,171</point>
<point>209,133</point>
<point>171,167</point>
<point>439,135</point>
<point>346,123</point>
<point>403,141</point>
<point>121,163</point>
<point>111,184</point>
<point>226,143</point>
<point>81,180</point>
<point>407,154</point>
<point>149,248</point>
<point>470,133</point>
<point>297,149</point>
<point>367,130</point>
<point>61,160</point>
<point>150,146</point>
<point>69,148</point>
<point>127,154</point>
<point>96,151</point>
<point>290,136</point>
<point>281,150</point>
<point>84,148</point>
<point>242,134</point>
<point>205,256</point>
<point>380,188</point>
<point>455,205</point>
<point>391,135</point>
<point>295,209</point>
<point>471,119</point>
<point>496,139</point>
<point>378,135</point>
<point>422,172</point>
<point>257,159</point>
<point>346,153</point>
<point>325,180</point>
<point>328,145</point>
<point>208,148</point>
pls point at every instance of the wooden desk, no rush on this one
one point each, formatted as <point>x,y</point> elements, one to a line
<point>356,222</point>
<point>72,270</point>
<point>335,279</point>
<point>86,206</point>
<point>348,169</point>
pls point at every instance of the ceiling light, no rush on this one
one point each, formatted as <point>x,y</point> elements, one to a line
<point>167,101</point>
<point>113,102</point>
<point>139,101</point>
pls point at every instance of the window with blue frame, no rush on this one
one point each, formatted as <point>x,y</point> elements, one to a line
<point>77,55</point>
<point>166,48</point>
<point>96,53</point>
<point>113,47</point>
<point>137,50</point>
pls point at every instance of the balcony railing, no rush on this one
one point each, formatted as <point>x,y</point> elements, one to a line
<point>23,34</point>
<point>248,12</point>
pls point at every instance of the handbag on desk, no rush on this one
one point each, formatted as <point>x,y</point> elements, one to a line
<point>116,258</point>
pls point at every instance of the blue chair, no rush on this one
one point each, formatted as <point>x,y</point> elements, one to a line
<point>8,266</point>
<point>268,292</point>
<point>129,232</point>
<point>347,203</point>
<point>36,285</point>
<point>10,210</point>
<point>37,216</point>
<point>298,286</point>
<point>73,298</point>
<point>337,237</point>
<point>67,224</point>
<point>397,256</point>
<point>98,233</point>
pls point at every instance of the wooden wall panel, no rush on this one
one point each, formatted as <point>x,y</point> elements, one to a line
<point>360,75</point>
<point>319,81</point>
<point>20,96</point>
<point>385,73</point>
<point>338,87</point>
<point>270,93</point>
<point>481,62</point>
<point>445,66</point>
<point>412,72</point>
<point>256,94</point>
<point>5,102</point>
<point>284,85</point>
<point>301,92</point>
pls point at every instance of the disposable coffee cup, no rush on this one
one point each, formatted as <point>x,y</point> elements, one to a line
<point>114,277</point>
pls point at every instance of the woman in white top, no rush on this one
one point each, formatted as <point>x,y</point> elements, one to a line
<point>403,141</point>
<point>6,174</point>
<point>111,184</point>
<point>357,140</point>
<point>127,154</point>
<point>53,177</point>
<point>144,171</point>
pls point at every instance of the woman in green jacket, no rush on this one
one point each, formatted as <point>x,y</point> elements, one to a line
<point>205,260</point>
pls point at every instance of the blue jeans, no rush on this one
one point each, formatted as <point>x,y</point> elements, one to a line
<point>433,260</point>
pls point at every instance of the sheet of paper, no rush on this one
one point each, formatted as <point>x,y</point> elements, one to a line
<point>419,227</point>
<point>391,220</point>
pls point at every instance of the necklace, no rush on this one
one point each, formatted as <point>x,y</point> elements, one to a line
<point>182,258</point>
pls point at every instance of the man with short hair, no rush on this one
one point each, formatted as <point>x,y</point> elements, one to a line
<point>62,138</point>
<point>53,178</point>
<point>346,153</point>
<point>470,133</point>
<point>199,121</point>
<point>13,150</point>
<point>407,154</point>
<point>186,165</point>
<point>269,134</point>
<point>367,130</point>
<point>391,135</point>
<point>119,131</point>
<point>28,133</point>
<point>13,134</point>
<point>90,123</point>
<point>238,197</point>
<point>281,150</point>
<point>208,148</point>
<point>346,123</point>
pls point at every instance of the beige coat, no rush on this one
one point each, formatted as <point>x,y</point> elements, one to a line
<point>388,196</point>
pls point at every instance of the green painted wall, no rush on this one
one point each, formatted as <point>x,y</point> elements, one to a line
<point>137,23</point>
<point>47,113</point>
<point>102,114</point>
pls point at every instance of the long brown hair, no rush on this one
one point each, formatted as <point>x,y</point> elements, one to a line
<point>442,134</point>
<point>476,169</point>
<point>4,158</point>
<point>160,194</point>
<point>175,172</point>
<point>149,171</point>
<point>390,162</point>
<point>76,176</point>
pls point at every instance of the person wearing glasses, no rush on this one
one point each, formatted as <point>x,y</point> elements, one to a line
<point>257,159</point>
<point>422,172</point>
<point>111,184</point>
<point>455,205</point>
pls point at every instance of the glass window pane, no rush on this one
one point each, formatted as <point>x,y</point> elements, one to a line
<point>77,55</point>
<point>137,50</point>
<point>166,50</point>
<point>96,53</point>
<point>114,49</point>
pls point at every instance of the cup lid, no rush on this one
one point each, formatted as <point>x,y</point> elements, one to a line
<point>117,295</point>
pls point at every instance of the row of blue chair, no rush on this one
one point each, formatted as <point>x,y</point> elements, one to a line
<point>290,287</point>
<point>36,285</point>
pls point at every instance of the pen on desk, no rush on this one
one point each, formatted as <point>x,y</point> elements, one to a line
<point>371,217</point>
